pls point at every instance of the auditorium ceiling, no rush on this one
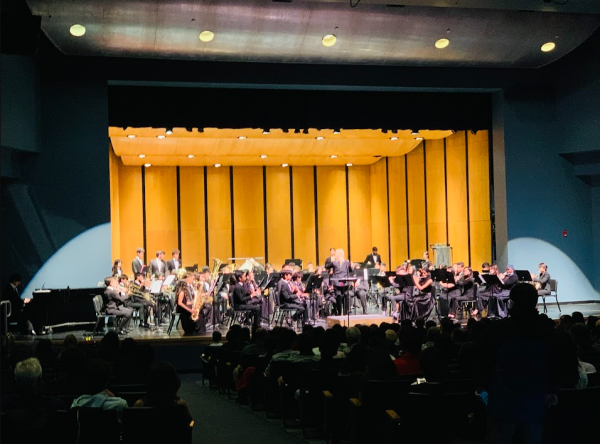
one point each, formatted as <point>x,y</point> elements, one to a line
<point>479,33</point>
<point>248,147</point>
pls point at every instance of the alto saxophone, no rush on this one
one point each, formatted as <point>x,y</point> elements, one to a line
<point>202,297</point>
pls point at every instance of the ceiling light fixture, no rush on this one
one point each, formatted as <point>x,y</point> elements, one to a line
<point>242,137</point>
<point>418,138</point>
<point>169,131</point>
<point>267,131</point>
<point>337,131</point>
<point>131,136</point>
<point>393,138</point>
<point>161,136</point>
<point>414,133</point>
<point>77,30</point>
<point>329,40</point>
<point>333,156</point>
<point>263,156</point>
<point>147,165</point>
<point>319,137</point>
<point>191,156</point>
<point>547,47</point>
<point>284,165</point>
<point>206,36</point>
<point>442,43</point>
<point>141,156</point>
<point>348,164</point>
<point>217,165</point>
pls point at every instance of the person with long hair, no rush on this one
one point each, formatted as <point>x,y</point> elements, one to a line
<point>341,269</point>
<point>185,294</point>
<point>116,268</point>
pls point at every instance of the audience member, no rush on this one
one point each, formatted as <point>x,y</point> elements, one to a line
<point>95,388</point>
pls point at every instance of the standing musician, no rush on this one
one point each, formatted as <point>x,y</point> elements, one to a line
<point>542,281</point>
<point>116,268</point>
<point>341,269</point>
<point>158,266</point>
<point>331,257</point>
<point>423,300</point>
<point>373,258</point>
<point>466,291</point>
<point>114,303</point>
<point>137,265</point>
<point>243,301</point>
<point>186,294</point>
<point>174,263</point>
<point>287,298</point>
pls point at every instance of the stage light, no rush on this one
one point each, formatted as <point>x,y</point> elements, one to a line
<point>141,156</point>
<point>329,40</point>
<point>263,156</point>
<point>169,131</point>
<point>333,156</point>
<point>393,138</point>
<point>161,136</point>
<point>191,156</point>
<point>547,47</point>
<point>242,137</point>
<point>147,165</point>
<point>131,136</point>
<point>442,43</point>
<point>206,36</point>
<point>284,165</point>
<point>217,165</point>
<point>418,138</point>
<point>319,137</point>
<point>348,164</point>
<point>77,30</point>
<point>267,131</point>
<point>337,131</point>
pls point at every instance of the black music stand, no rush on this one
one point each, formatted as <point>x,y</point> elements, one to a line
<point>489,279</point>
<point>345,293</point>
<point>313,283</point>
<point>524,275</point>
<point>270,284</point>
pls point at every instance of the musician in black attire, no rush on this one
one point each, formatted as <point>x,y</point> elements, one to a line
<point>18,306</point>
<point>136,302</point>
<point>484,291</point>
<point>499,305</point>
<point>542,280</point>
<point>331,257</point>
<point>242,300</point>
<point>185,294</point>
<point>341,269</point>
<point>359,289</point>
<point>114,303</point>
<point>400,294</point>
<point>466,291</point>
<point>287,298</point>
<point>373,258</point>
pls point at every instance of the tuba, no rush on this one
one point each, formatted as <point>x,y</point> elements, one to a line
<point>201,297</point>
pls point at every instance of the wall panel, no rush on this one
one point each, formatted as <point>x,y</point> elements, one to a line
<point>456,168</point>
<point>359,193</point>
<point>249,226</point>
<point>161,210</point>
<point>130,214</point>
<point>379,209</point>
<point>304,215</point>
<point>417,227</point>
<point>397,203</point>
<point>279,218</point>
<point>115,219</point>
<point>193,227</point>
<point>331,201</point>
<point>479,198</point>
<point>436,194</point>
<point>219,214</point>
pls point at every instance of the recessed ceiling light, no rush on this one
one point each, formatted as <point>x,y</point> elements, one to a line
<point>329,40</point>
<point>414,133</point>
<point>161,136</point>
<point>442,43</point>
<point>393,138</point>
<point>191,156</point>
<point>131,136</point>
<point>77,30</point>
<point>147,165</point>
<point>284,165</point>
<point>266,131</point>
<point>141,156</point>
<point>217,165</point>
<point>348,164</point>
<point>319,137</point>
<point>242,137</point>
<point>547,47</point>
<point>337,131</point>
<point>169,131</point>
<point>206,36</point>
<point>418,138</point>
<point>263,156</point>
<point>333,156</point>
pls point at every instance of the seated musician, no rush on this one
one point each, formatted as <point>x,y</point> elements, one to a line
<point>449,290</point>
<point>485,291</point>
<point>399,293</point>
<point>222,293</point>
<point>114,303</point>
<point>186,295</point>
<point>134,302</point>
<point>465,286</point>
<point>502,293</point>
<point>298,290</point>
<point>360,289</point>
<point>287,298</point>
<point>423,301</point>
<point>243,300</point>
<point>542,281</point>
<point>426,262</point>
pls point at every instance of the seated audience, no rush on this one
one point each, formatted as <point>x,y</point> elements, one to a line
<point>95,387</point>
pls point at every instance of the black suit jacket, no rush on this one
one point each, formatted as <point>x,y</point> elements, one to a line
<point>339,270</point>
<point>112,298</point>
<point>136,266</point>
<point>240,297</point>
<point>11,294</point>
<point>285,293</point>
<point>371,258</point>
<point>171,265</point>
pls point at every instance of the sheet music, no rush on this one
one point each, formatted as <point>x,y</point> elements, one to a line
<point>169,280</point>
<point>156,286</point>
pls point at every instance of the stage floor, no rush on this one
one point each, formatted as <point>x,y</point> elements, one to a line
<point>374,315</point>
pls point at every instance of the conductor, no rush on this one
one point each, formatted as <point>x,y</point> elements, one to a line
<point>341,270</point>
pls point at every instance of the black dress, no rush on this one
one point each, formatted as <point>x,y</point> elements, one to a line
<point>423,299</point>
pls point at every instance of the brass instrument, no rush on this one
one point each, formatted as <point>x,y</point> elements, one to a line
<point>135,289</point>
<point>202,297</point>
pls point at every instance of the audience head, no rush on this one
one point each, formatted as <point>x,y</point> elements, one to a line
<point>163,383</point>
<point>352,336</point>
<point>524,298</point>
<point>305,344</point>
<point>217,336</point>
<point>565,322</point>
<point>578,317</point>
<point>28,376</point>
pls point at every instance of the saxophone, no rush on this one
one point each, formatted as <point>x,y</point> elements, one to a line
<point>201,297</point>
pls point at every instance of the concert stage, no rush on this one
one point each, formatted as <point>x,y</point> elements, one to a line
<point>367,319</point>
